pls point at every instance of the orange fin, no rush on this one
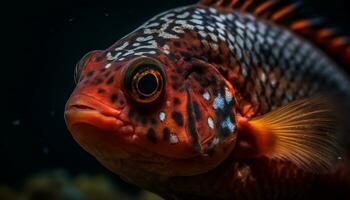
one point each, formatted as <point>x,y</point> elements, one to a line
<point>295,16</point>
<point>303,132</point>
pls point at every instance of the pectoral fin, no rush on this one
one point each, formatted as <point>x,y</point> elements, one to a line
<point>302,132</point>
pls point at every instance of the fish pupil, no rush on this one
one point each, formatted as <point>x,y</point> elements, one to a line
<point>148,84</point>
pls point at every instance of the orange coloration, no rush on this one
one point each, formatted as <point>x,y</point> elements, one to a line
<point>302,24</point>
<point>191,112</point>
<point>338,42</point>
<point>218,3</point>
<point>283,12</point>
<point>257,136</point>
<point>323,33</point>
<point>233,3</point>
<point>246,5</point>
<point>264,6</point>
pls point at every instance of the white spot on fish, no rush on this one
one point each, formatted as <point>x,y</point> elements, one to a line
<point>161,116</point>
<point>231,38</point>
<point>197,16</point>
<point>129,53</point>
<point>202,34</point>
<point>199,27</point>
<point>206,95</point>
<point>214,46</point>
<point>152,25</point>
<point>221,31</point>
<point>212,10</point>
<point>173,139</point>
<point>210,28</point>
<point>215,141</point>
<point>263,77</point>
<point>223,17</point>
<point>184,15</point>
<point>230,17</point>
<point>166,49</point>
<point>228,95</point>
<point>108,65</point>
<point>220,25</point>
<point>222,38</point>
<point>110,57</point>
<point>200,10</point>
<point>213,37</point>
<point>218,102</point>
<point>196,21</point>
<point>178,29</point>
<point>143,39</point>
<point>167,35</point>
<point>239,24</point>
<point>211,123</point>
<point>122,47</point>
<point>227,123</point>
<point>136,44</point>
<point>145,52</point>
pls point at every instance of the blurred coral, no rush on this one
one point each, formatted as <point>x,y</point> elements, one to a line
<point>58,185</point>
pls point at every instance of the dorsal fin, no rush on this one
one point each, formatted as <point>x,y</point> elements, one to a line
<point>294,16</point>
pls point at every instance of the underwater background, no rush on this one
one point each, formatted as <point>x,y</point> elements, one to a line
<point>45,40</point>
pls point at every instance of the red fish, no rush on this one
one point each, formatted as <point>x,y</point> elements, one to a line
<point>225,99</point>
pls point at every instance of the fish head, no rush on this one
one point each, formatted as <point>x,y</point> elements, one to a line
<point>160,113</point>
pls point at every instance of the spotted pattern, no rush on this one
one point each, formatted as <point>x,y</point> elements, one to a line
<point>260,67</point>
<point>252,45</point>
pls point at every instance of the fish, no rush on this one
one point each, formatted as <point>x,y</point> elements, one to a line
<point>224,99</point>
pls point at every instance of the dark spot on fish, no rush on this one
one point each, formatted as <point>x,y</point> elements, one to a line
<point>191,123</point>
<point>161,41</point>
<point>173,77</point>
<point>110,80</point>
<point>179,70</point>
<point>121,102</point>
<point>107,74</point>
<point>177,44</point>
<point>224,132</point>
<point>197,110</point>
<point>151,135</point>
<point>114,98</point>
<point>117,68</point>
<point>210,151</point>
<point>99,59</point>
<point>131,113</point>
<point>166,134</point>
<point>175,86</point>
<point>153,121</point>
<point>101,91</point>
<point>98,80</point>
<point>90,73</point>
<point>103,69</point>
<point>143,120</point>
<point>176,101</point>
<point>186,56</point>
<point>203,81</point>
<point>178,118</point>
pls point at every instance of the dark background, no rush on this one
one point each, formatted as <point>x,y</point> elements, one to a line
<point>43,42</point>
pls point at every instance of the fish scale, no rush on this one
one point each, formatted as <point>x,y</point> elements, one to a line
<point>293,67</point>
<point>223,71</point>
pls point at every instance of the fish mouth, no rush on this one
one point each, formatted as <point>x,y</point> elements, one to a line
<point>83,111</point>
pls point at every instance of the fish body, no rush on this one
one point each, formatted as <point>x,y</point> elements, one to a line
<point>185,105</point>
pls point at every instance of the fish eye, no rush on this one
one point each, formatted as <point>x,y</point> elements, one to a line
<point>144,80</point>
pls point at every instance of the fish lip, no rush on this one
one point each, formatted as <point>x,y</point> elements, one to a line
<point>86,109</point>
